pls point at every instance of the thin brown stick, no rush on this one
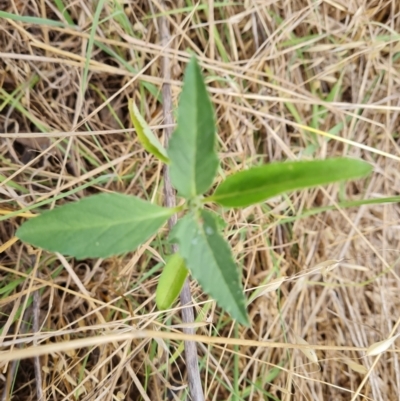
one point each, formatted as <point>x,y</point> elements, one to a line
<point>36,359</point>
<point>192,364</point>
<point>7,386</point>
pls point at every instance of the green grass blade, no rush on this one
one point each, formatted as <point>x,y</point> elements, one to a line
<point>89,50</point>
<point>63,10</point>
<point>32,20</point>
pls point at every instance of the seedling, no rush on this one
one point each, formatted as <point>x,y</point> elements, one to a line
<point>110,224</point>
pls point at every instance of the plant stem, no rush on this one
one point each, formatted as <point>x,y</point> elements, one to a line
<point>192,364</point>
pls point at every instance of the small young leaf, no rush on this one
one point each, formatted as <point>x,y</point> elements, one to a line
<point>171,281</point>
<point>95,227</point>
<point>209,259</point>
<point>194,160</point>
<point>146,137</point>
<point>381,346</point>
<point>260,183</point>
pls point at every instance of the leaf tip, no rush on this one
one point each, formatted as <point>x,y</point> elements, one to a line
<point>381,346</point>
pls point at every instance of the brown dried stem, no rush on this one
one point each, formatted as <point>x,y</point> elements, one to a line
<point>192,365</point>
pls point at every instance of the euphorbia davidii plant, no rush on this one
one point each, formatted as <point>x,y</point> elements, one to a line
<point>109,224</point>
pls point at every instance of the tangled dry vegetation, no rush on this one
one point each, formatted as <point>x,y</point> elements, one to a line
<point>289,79</point>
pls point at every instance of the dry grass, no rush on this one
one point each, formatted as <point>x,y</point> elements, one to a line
<point>274,68</point>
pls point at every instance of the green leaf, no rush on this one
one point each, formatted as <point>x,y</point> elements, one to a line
<point>95,227</point>
<point>146,137</point>
<point>194,160</point>
<point>260,183</point>
<point>221,222</point>
<point>210,261</point>
<point>32,20</point>
<point>171,281</point>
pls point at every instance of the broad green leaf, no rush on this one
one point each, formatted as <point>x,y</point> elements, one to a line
<point>260,183</point>
<point>171,281</point>
<point>95,227</point>
<point>194,160</point>
<point>210,261</point>
<point>146,137</point>
<point>221,222</point>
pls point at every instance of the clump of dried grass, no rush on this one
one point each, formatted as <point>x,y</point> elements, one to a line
<point>271,67</point>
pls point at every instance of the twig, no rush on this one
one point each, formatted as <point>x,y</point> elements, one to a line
<point>36,359</point>
<point>192,364</point>
<point>9,379</point>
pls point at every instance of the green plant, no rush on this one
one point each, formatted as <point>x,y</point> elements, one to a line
<point>108,224</point>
